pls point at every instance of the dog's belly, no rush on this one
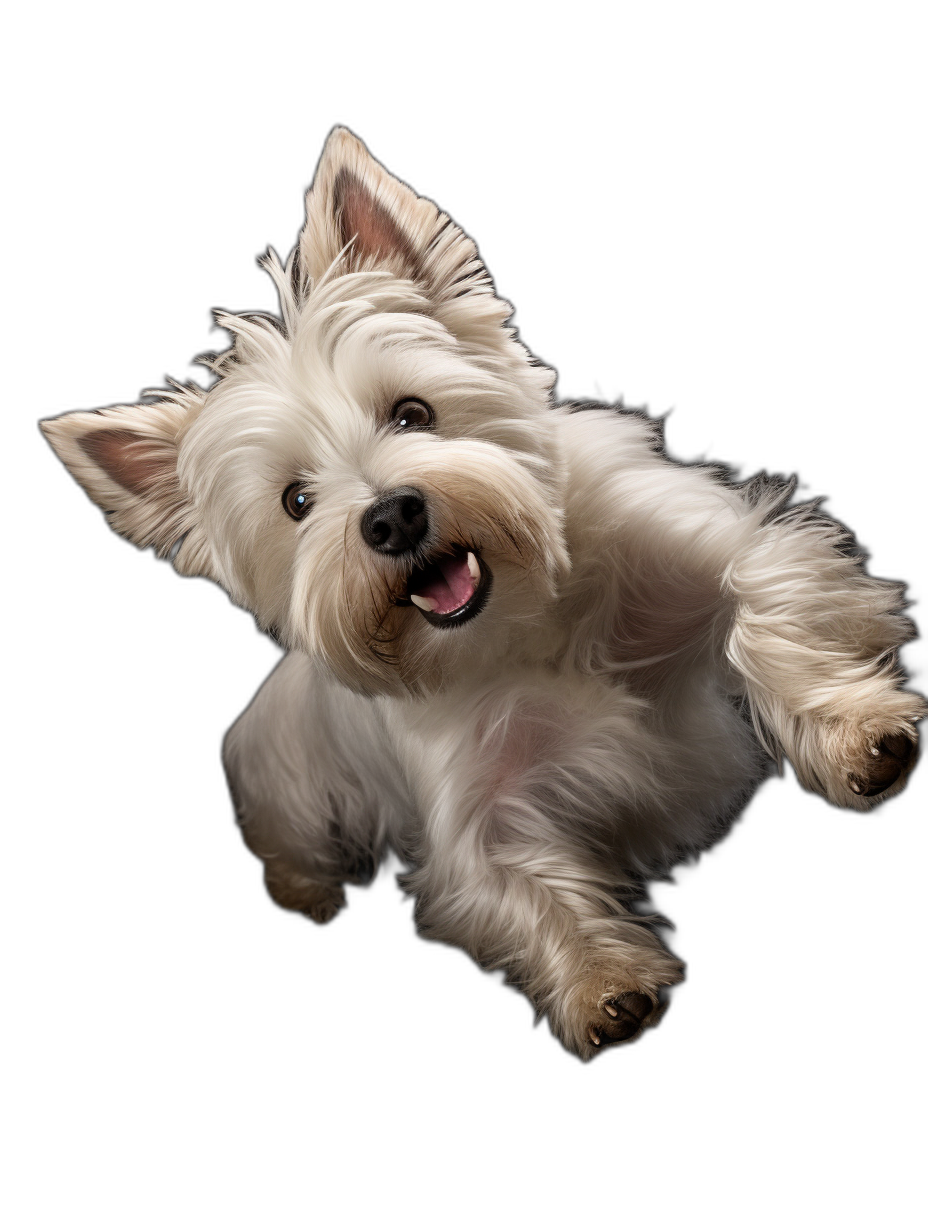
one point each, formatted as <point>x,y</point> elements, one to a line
<point>643,779</point>
<point>650,784</point>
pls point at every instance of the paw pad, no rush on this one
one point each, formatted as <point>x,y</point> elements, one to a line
<point>622,1018</point>
<point>886,759</point>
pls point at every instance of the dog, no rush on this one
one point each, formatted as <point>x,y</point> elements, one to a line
<point>526,650</point>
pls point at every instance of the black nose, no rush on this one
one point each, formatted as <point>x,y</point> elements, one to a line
<point>397,522</point>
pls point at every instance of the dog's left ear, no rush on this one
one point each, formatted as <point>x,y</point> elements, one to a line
<point>361,217</point>
<point>357,209</point>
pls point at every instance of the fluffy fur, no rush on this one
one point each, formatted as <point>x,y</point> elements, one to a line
<point>652,637</point>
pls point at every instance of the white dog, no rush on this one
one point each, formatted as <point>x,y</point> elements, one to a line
<point>526,650</point>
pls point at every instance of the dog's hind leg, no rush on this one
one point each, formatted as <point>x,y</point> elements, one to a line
<point>528,830</point>
<point>313,785</point>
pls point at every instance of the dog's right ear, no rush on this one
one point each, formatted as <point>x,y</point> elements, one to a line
<point>125,458</point>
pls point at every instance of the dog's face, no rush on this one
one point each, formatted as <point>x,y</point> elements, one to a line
<point>374,474</point>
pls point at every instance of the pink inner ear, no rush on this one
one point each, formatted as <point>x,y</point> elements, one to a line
<point>363,218</point>
<point>136,462</point>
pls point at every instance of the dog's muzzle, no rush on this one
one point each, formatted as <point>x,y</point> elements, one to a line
<point>448,588</point>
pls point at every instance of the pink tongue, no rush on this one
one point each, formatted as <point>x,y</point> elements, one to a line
<point>449,585</point>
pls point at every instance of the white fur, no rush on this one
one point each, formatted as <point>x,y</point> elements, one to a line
<point>653,631</point>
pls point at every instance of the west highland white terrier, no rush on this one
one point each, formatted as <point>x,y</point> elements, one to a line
<point>526,650</point>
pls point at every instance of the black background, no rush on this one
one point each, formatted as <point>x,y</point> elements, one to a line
<point>731,254</point>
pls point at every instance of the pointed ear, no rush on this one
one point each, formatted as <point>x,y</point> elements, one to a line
<point>125,458</point>
<point>356,204</point>
<point>359,215</point>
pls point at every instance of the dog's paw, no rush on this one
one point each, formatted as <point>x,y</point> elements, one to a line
<point>325,904</point>
<point>620,1018</point>
<point>856,764</point>
<point>616,1006</point>
<point>882,763</point>
<point>320,901</point>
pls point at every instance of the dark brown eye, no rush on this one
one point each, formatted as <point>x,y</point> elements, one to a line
<point>297,501</point>
<point>411,415</point>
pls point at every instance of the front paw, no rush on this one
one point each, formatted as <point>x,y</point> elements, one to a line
<point>860,760</point>
<point>882,764</point>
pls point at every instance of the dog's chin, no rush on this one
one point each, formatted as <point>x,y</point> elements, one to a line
<point>449,589</point>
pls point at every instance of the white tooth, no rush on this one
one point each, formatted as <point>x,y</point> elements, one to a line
<point>427,605</point>
<point>473,567</point>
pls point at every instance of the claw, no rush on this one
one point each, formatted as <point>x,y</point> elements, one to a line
<point>610,1009</point>
<point>594,1037</point>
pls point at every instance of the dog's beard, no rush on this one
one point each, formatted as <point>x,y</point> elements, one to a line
<point>489,514</point>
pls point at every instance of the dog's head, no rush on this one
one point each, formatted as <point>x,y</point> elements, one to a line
<point>373,473</point>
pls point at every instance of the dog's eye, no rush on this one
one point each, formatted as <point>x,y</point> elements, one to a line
<point>411,415</point>
<point>297,501</point>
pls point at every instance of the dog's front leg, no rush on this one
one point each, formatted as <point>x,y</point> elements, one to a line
<point>520,859</point>
<point>815,641</point>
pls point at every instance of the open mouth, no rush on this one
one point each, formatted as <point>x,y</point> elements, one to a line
<point>450,589</point>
